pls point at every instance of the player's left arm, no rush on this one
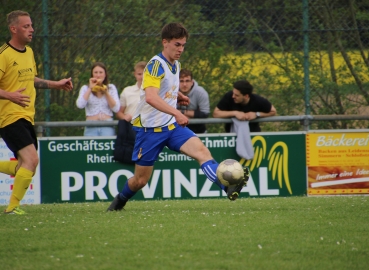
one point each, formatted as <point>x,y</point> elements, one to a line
<point>153,74</point>
<point>153,98</point>
<point>152,77</point>
<point>63,84</point>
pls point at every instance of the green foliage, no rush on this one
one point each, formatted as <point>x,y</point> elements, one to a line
<point>121,33</point>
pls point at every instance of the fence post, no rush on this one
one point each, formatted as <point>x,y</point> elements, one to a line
<point>40,131</point>
<point>46,61</point>
<point>305,16</point>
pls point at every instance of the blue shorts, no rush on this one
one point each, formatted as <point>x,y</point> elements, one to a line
<point>150,143</point>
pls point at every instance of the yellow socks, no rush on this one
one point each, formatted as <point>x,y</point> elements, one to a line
<point>21,182</point>
<point>8,167</point>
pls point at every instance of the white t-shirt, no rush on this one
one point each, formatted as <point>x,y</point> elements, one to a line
<point>129,98</point>
<point>95,105</point>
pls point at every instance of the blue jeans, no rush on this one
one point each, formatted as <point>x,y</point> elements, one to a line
<point>100,131</point>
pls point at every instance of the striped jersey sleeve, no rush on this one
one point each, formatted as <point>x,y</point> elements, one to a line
<point>153,74</point>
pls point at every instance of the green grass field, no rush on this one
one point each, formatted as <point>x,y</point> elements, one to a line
<point>262,233</point>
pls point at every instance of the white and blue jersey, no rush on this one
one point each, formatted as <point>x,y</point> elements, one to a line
<point>161,74</point>
<point>156,129</point>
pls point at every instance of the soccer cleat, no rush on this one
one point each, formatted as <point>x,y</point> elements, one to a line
<point>234,191</point>
<point>15,211</point>
<point>246,173</point>
<point>117,204</point>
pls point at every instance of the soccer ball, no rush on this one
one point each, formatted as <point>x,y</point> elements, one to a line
<point>230,172</point>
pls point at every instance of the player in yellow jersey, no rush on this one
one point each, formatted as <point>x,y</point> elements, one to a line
<point>18,83</point>
<point>158,123</point>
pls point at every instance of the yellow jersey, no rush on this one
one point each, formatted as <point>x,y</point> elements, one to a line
<point>17,70</point>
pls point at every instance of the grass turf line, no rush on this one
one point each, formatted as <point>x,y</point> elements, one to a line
<point>250,233</point>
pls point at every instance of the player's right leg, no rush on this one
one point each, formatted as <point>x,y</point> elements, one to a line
<point>185,141</point>
<point>148,145</point>
<point>21,139</point>
<point>134,184</point>
<point>194,148</point>
<point>28,161</point>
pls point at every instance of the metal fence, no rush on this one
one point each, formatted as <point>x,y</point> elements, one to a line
<point>304,121</point>
<point>306,57</point>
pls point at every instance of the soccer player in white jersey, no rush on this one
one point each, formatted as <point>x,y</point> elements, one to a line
<point>158,123</point>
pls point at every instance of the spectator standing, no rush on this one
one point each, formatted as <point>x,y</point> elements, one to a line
<point>199,106</point>
<point>129,99</point>
<point>99,99</point>
<point>242,104</point>
<point>18,83</point>
<point>130,95</point>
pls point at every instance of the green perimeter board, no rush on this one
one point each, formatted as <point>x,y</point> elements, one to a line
<point>82,169</point>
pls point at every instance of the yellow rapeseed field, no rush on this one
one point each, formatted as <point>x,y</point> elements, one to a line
<point>286,65</point>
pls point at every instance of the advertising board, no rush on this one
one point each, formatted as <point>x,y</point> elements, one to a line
<point>82,169</point>
<point>32,195</point>
<point>338,162</point>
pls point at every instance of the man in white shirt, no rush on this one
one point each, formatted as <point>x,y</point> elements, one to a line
<point>130,95</point>
<point>129,99</point>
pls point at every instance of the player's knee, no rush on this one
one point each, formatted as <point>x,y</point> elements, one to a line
<point>142,182</point>
<point>34,161</point>
<point>205,152</point>
<point>32,166</point>
<point>29,162</point>
<point>139,182</point>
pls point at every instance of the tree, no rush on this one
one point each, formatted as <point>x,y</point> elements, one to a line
<point>261,41</point>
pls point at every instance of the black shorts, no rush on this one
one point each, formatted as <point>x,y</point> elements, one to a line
<point>18,135</point>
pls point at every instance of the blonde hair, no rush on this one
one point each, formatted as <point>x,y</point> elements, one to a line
<point>12,17</point>
<point>140,65</point>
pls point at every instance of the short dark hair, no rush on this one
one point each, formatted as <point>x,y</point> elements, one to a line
<point>174,30</point>
<point>244,87</point>
<point>185,73</point>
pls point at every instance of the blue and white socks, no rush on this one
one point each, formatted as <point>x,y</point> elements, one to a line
<point>210,168</point>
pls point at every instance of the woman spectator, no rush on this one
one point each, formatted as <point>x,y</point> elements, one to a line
<point>100,99</point>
